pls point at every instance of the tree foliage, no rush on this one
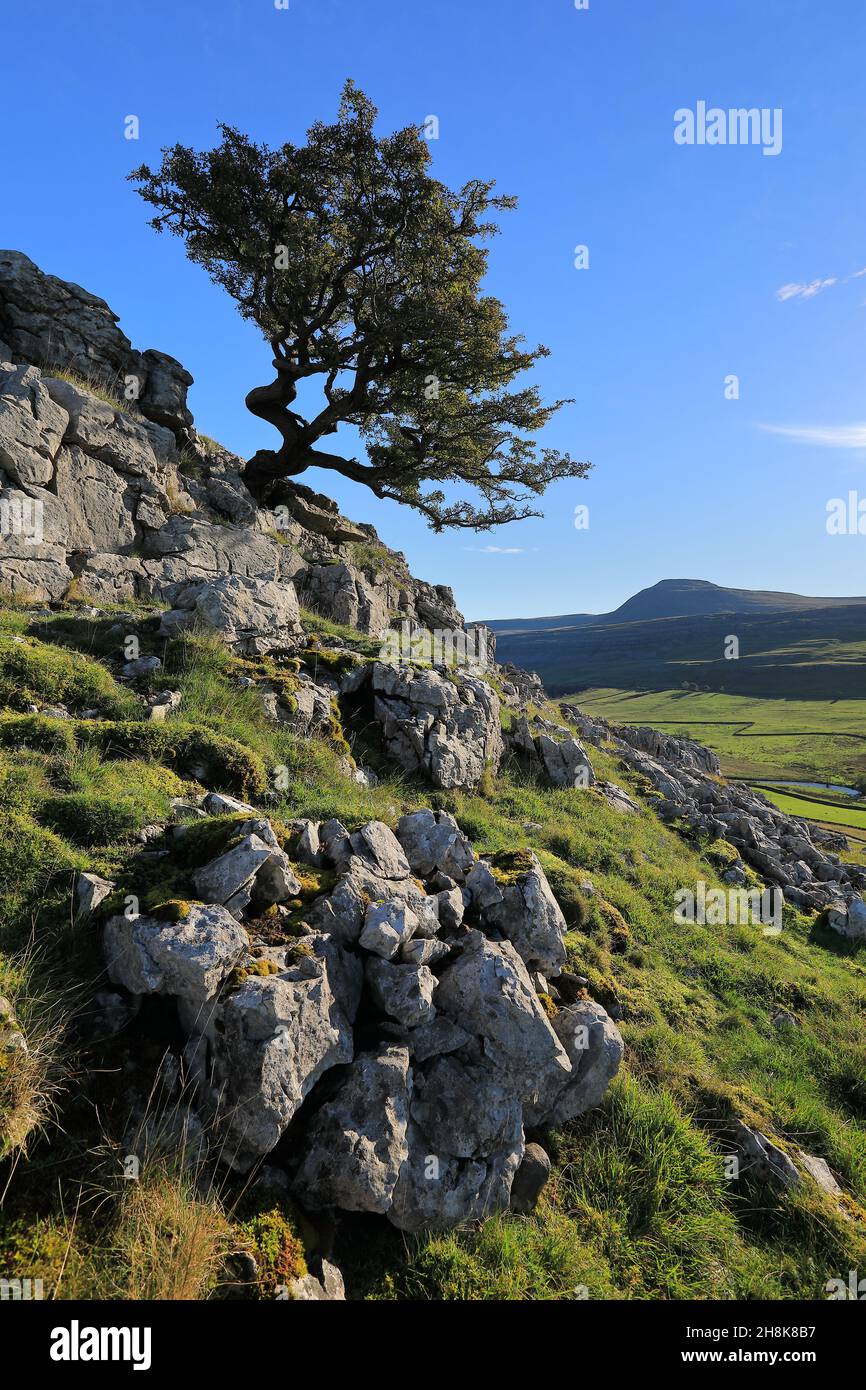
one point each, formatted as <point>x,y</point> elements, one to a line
<point>364,274</point>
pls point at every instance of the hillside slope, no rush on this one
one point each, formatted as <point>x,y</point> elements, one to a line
<point>329,969</point>
<point>722,1026</point>
<point>813,653</point>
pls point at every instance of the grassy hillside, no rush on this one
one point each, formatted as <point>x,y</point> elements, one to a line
<point>814,654</point>
<point>638,1207</point>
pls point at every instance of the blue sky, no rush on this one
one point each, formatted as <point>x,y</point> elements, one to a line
<point>573,111</point>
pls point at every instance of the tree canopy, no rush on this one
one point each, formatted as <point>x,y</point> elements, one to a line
<point>364,274</point>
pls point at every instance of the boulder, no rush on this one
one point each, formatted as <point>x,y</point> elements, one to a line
<point>387,927</point>
<point>819,1171</point>
<point>221,804</point>
<point>403,992</point>
<point>488,993</point>
<point>438,1192</point>
<point>379,847</point>
<point>530,1179</point>
<point>356,1144</point>
<point>433,841</point>
<point>251,615</point>
<point>594,1047</point>
<point>250,869</point>
<point>465,1110</point>
<point>552,753</point>
<point>451,908</point>
<point>761,1158</point>
<point>266,1045</point>
<point>327,1287</point>
<point>618,799</point>
<point>445,727</point>
<point>188,960</point>
<point>519,903</point>
<point>423,952</point>
<point>90,891</point>
<point>848,919</point>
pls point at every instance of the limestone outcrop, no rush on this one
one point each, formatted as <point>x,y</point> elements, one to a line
<point>389,1030</point>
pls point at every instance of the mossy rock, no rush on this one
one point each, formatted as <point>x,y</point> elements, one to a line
<point>510,865</point>
<point>174,910</point>
<point>227,764</point>
<point>721,854</point>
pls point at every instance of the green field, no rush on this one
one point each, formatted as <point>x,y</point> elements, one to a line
<point>809,740</point>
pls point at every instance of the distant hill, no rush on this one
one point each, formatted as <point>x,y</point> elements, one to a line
<point>674,632</point>
<point>676,598</point>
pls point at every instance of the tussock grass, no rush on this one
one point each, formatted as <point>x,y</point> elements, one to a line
<point>31,1076</point>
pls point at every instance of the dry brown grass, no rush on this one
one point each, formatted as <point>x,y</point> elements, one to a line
<point>31,1076</point>
<point>171,1242</point>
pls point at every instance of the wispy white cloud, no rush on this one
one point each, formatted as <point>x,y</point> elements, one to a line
<point>825,436</point>
<point>497,549</point>
<point>807,291</point>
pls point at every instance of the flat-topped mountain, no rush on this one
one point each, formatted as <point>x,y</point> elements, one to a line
<point>675,598</point>
<point>676,631</point>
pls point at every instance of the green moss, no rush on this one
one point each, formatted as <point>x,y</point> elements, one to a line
<point>225,763</point>
<point>204,840</point>
<point>33,672</point>
<point>32,1247</point>
<point>108,802</point>
<point>277,1247</point>
<point>38,732</point>
<point>173,910</point>
<point>313,882</point>
<point>86,818</point>
<point>302,948</point>
<point>565,882</point>
<point>331,658</point>
<point>721,854</point>
<point>263,968</point>
<point>509,866</point>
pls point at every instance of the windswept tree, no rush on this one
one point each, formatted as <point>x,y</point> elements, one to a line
<point>364,275</point>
